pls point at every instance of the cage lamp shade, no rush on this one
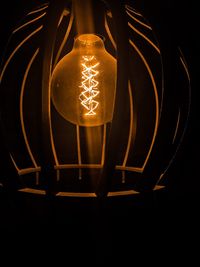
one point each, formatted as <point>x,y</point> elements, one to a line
<point>91,112</point>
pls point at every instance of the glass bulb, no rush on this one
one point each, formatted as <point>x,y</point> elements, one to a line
<point>83,83</point>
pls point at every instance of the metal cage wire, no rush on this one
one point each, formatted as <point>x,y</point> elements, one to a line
<point>132,144</point>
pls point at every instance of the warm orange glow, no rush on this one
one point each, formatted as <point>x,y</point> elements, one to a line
<point>84,16</point>
<point>89,85</point>
<point>83,83</point>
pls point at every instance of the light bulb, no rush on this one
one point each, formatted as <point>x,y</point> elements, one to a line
<point>83,83</point>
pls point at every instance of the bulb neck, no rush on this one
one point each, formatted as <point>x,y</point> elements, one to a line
<point>88,42</point>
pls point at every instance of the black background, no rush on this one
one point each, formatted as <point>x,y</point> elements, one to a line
<point>164,224</point>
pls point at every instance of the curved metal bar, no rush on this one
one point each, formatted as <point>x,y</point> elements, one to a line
<point>156,100</point>
<point>38,10</point>
<point>185,68</point>
<point>54,13</point>
<point>16,49</point>
<point>65,37</point>
<point>21,109</point>
<point>138,21</point>
<point>28,23</point>
<point>145,37</point>
<point>121,99</point>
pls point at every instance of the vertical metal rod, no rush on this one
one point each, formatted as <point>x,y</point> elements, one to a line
<point>54,13</point>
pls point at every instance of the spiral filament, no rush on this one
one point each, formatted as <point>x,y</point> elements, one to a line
<point>89,85</point>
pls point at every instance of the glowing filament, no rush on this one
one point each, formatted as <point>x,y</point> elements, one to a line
<point>89,85</point>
